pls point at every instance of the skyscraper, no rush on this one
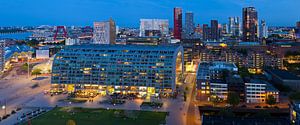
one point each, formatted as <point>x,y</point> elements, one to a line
<point>263,29</point>
<point>189,25</point>
<point>104,32</point>
<point>250,24</point>
<point>234,26</point>
<point>206,32</point>
<point>298,31</point>
<point>154,27</point>
<point>177,22</point>
<point>225,28</point>
<point>215,31</point>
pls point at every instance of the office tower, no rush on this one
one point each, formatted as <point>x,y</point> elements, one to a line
<point>298,31</point>
<point>215,31</point>
<point>250,24</point>
<point>139,69</point>
<point>225,29</point>
<point>263,29</point>
<point>2,55</point>
<point>189,25</point>
<point>154,27</point>
<point>206,32</point>
<point>104,32</point>
<point>234,26</point>
<point>177,22</point>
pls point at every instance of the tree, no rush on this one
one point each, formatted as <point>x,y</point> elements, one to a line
<point>16,54</point>
<point>233,99</point>
<point>24,67</point>
<point>33,43</point>
<point>71,122</point>
<point>36,72</point>
<point>271,100</point>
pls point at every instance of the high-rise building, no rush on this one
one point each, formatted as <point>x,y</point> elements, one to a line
<point>250,24</point>
<point>215,31</point>
<point>177,22</point>
<point>154,27</point>
<point>189,25</point>
<point>263,29</point>
<point>104,32</point>
<point>234,26</point>
<point>206,32</point>
<point>298,31</point>
<point>225,29</point>
<point>2,55</point>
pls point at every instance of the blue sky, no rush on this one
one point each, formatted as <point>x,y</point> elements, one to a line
<point>128,12</point>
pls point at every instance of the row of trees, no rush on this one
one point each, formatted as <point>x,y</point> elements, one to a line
<point>234,99</point>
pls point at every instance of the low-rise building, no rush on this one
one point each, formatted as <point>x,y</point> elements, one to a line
<point>211,79</point>
<point>285,78</point>
<point>271,90</point>
<point>255,91</point>
<point>236,85</point>
<point>42,53</point>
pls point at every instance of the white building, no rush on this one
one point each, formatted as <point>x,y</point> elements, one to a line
<point>154,27</point>
<point>43,53</point>
<point>263,29</point>
<point>104,32</point>
<point>219,88</point>
<point>255,91</point>
<point>72,41</point>
<point>234,26</point>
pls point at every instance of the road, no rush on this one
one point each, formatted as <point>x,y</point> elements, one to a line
<point>193,116</point>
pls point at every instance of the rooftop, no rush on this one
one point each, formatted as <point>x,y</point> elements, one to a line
<point>284,74</point>
<point>204,68</point>
<point>234,79</point>
<point>127,47</point>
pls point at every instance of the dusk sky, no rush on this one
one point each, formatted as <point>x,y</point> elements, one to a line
<point>128,12</point>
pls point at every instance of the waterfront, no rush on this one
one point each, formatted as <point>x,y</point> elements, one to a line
<point>17,36</point>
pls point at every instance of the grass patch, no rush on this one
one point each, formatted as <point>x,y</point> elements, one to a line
<point>87,116</point>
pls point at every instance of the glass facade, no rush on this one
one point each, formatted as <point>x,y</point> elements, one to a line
<point>119,68</point>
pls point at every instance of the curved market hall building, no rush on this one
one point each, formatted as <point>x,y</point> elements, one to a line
<point>106,69</point>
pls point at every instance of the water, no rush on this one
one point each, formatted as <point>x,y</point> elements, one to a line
<point>17,36</point>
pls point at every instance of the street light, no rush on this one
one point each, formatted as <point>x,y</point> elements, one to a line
<point>28,73</point>
<point>4,108</point>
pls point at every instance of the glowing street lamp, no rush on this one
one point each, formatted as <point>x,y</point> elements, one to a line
<point>4,108</point>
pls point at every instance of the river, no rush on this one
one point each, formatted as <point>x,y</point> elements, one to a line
<point>17,36</point>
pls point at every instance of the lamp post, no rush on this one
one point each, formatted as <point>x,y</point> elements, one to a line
<point>28,67</point>
<point>4,107</point>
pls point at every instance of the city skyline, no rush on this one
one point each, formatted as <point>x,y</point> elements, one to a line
<point>75,12</point>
